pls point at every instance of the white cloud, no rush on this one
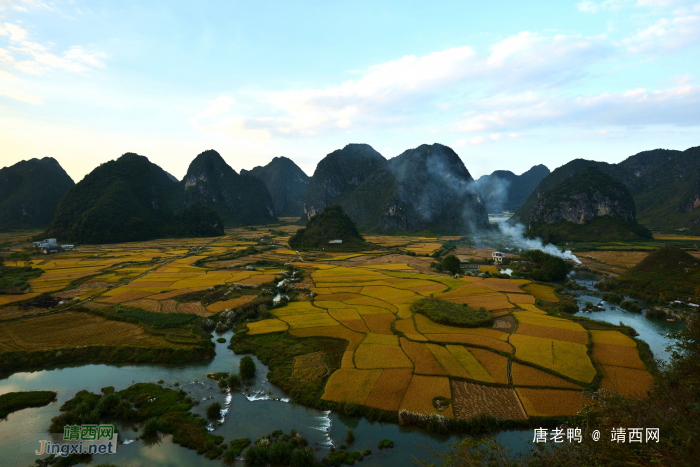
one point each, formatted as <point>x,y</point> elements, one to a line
<point>17,33</point>
<point>666,35</point>
<point>19,95</point>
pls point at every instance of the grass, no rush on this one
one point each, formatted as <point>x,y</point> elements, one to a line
<point>452,314</point>
<point>14,401</point>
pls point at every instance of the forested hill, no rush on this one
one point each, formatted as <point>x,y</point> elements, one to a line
<point>239,199</point>
<point>339,174</point>
<point>30,192</point>
<point>124,200</point>
<point>286,183</point>
<point>426,188</point>
<point>588,206</point>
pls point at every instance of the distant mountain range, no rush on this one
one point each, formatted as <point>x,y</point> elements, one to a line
<point>505,191</point>
<point>423,189</point>
<point>30,192</point>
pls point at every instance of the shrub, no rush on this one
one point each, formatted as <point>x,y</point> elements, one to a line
<point>151,427</point>
<point>221,340</point>
<point>302,458</point>
<point>214,410</point>
<point>247,367</point>
<point>234,381</point>
<point>385,444</point>
<point>452,314</point>
<point>257,455</point>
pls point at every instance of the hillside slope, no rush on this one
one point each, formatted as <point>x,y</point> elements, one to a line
<point>238,199</point>
<point>30,192</point>
<point>287,184</point>
<point>426,188</point>
<point>338,174</point>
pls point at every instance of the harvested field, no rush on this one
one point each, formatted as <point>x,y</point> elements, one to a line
<point>470,363</point>
<point>495,364</point>
<point>553,333</point>
<point>612,338</point>
<point>267,326</point>
<point>351,385</point>
<point>471,340</point>
<point>524,375</point>
<point>423,360</point>
<point>567,358</point>
<point>390,389</point>
<point>520,299</point>
<point>626,381</point>
<point>551,402</point>
<point>168,306</point>
<point>543,292</point>
<point>229,304</point>
<point>370,356</point>
<point>448,361</point>
<point>421,392</point>
<point>617,355</point>
<point>86,287</point>
<point>471,400</point>
<point>145,304</point>
<point>193,308</point>
<point>64,330</point>
<point>124,296</point>
<point>408,328</point>
<point>380,323</point>
<point>309,367</point>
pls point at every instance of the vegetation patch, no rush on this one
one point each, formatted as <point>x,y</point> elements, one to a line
<point>14,280</point>
<point>452,314</point>
<point>14,401</point>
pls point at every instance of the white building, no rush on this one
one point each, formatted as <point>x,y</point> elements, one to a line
<point>497,256</point>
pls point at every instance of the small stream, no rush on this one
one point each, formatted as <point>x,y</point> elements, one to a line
<point>653,331</point>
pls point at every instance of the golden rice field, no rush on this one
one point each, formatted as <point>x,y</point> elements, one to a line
<point>551,402</point>
<point>390,389</point>
<point>543,292</point>
<point>627,381</point>
<point>567,358</point>
<point>421,392</point>
<point>617,355</point>
<point>524,375</point>
<point>68,330</point>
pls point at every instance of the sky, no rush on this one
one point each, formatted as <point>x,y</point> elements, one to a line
<point>507,84</point>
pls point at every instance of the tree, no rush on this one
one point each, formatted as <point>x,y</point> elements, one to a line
<point>2,261</point>
<point>18,256</point>
<point>247,367</point>
<point>451,263</point>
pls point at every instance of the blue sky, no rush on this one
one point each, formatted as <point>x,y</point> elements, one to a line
<point>506,84</point>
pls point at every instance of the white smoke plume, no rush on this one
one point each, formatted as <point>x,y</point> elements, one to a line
<point>516,234</point>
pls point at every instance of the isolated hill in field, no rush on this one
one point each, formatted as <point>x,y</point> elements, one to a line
<point>504,191</point>
<point>123,200</point>
<point>239,199</point>
<point>588,206</point>
<point>338,174</point>
<point>669,273</point>
<point>653,178</point>
<point>30,192</point>
<point>330,224</point>
<point>426,188</point>
<point>287,184</point>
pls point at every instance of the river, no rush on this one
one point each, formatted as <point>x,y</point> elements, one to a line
<point>265,408</point>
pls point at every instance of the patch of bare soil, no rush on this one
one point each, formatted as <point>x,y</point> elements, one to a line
<point>504,323</point>
<point>81,289</point>
<point>471,400</point>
